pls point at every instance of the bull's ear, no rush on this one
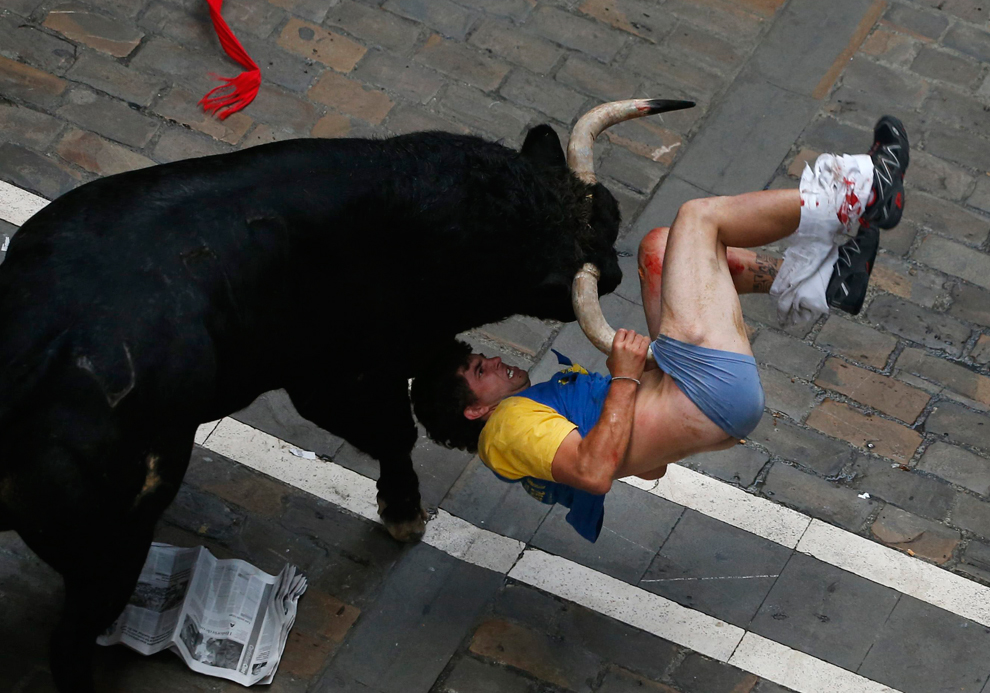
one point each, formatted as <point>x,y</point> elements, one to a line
<point>542,147</point>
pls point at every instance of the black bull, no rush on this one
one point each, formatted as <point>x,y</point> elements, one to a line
<point>138,306</point>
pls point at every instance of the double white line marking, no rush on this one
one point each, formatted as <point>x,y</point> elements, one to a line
<point>559,576</point>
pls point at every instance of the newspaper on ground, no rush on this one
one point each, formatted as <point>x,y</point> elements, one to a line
<point>224,618</point>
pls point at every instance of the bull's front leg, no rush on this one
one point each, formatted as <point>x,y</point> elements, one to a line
<point>375,417</point>
<point>399,503</point>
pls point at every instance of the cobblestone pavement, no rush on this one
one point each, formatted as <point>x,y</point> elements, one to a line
<point>894,403</point>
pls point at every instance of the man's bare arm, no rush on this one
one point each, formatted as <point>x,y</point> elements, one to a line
<point>590,463</point>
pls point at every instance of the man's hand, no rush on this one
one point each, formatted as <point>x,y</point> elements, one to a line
<point>628,357</point>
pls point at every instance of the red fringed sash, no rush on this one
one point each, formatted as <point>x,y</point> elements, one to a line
<point>238,91</point>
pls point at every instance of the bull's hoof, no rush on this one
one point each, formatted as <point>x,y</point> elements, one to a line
<point>404,530</point>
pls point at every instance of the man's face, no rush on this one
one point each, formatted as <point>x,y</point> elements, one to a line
<point>491,381</point>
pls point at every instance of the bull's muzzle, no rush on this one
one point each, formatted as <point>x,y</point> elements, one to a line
<point>580,159</point>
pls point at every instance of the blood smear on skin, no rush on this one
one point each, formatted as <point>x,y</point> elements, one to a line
<point>653,264</point>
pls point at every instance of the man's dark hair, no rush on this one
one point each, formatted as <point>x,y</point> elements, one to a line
<point>439,396</point>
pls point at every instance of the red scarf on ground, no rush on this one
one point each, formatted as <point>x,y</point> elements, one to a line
<point>238,91</point>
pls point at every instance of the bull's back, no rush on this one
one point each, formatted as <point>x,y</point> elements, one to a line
<point>107,279</point>
<point>193,272</point>
<point>180,273</point>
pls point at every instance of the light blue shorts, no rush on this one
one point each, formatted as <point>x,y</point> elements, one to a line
<point>724,386</point>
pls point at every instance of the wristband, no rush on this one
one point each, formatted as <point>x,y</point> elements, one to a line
<point>625,377</point>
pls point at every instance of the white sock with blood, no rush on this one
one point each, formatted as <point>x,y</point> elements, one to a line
<point>833,196</point>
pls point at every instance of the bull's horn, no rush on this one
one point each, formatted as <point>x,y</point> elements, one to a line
<point>580,148</point>
<point>580,158</point>
<point>584,297</point>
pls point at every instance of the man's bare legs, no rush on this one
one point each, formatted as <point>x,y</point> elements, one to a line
<point>702,235</point>
<point>752,272</point>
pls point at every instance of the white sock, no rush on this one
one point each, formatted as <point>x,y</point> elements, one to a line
<point>833,196</point>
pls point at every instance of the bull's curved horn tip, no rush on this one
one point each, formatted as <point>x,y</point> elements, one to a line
<point>664,105</point>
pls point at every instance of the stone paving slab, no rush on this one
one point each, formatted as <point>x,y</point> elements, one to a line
<point>744,143</point>
<point>502,508</point>
<point>812,35</point>
<point>406,639</point>
<point>953,648</point>
<point>719,570</point>
<point>273,412</point>
<point>824,611</point>
<point>636,525</point>
<point>738,465</point>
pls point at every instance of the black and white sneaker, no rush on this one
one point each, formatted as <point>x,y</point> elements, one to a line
<point>847,288</point>
<point>890,153</point>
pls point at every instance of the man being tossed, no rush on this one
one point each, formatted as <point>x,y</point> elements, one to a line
<point>569,438</point>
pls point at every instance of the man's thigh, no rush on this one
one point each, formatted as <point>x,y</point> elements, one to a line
<point>699,303</point>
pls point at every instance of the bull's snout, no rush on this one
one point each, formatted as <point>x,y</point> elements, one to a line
<point>580,159</point>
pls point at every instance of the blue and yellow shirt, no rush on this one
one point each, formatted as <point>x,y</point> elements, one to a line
<point>523,433</point>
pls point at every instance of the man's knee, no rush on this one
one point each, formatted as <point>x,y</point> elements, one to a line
<point>651,251</point>
<point>701,210</point>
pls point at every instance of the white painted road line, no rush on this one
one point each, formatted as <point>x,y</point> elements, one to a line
<point>269,455</point>
<point>559,576</point>
<point>463,540</point>
<point>353,492</point>
<point>835,546</point>
<point>204,431</point>
<point>797,670</point>
<point>627,603</point>
<point>896,570</point>
<point>730,504</point>
<point>17,205</point>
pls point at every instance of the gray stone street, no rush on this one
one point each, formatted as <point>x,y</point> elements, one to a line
<point>845,547</point>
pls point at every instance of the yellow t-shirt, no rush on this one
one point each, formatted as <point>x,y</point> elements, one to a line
<point>522,437</point>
